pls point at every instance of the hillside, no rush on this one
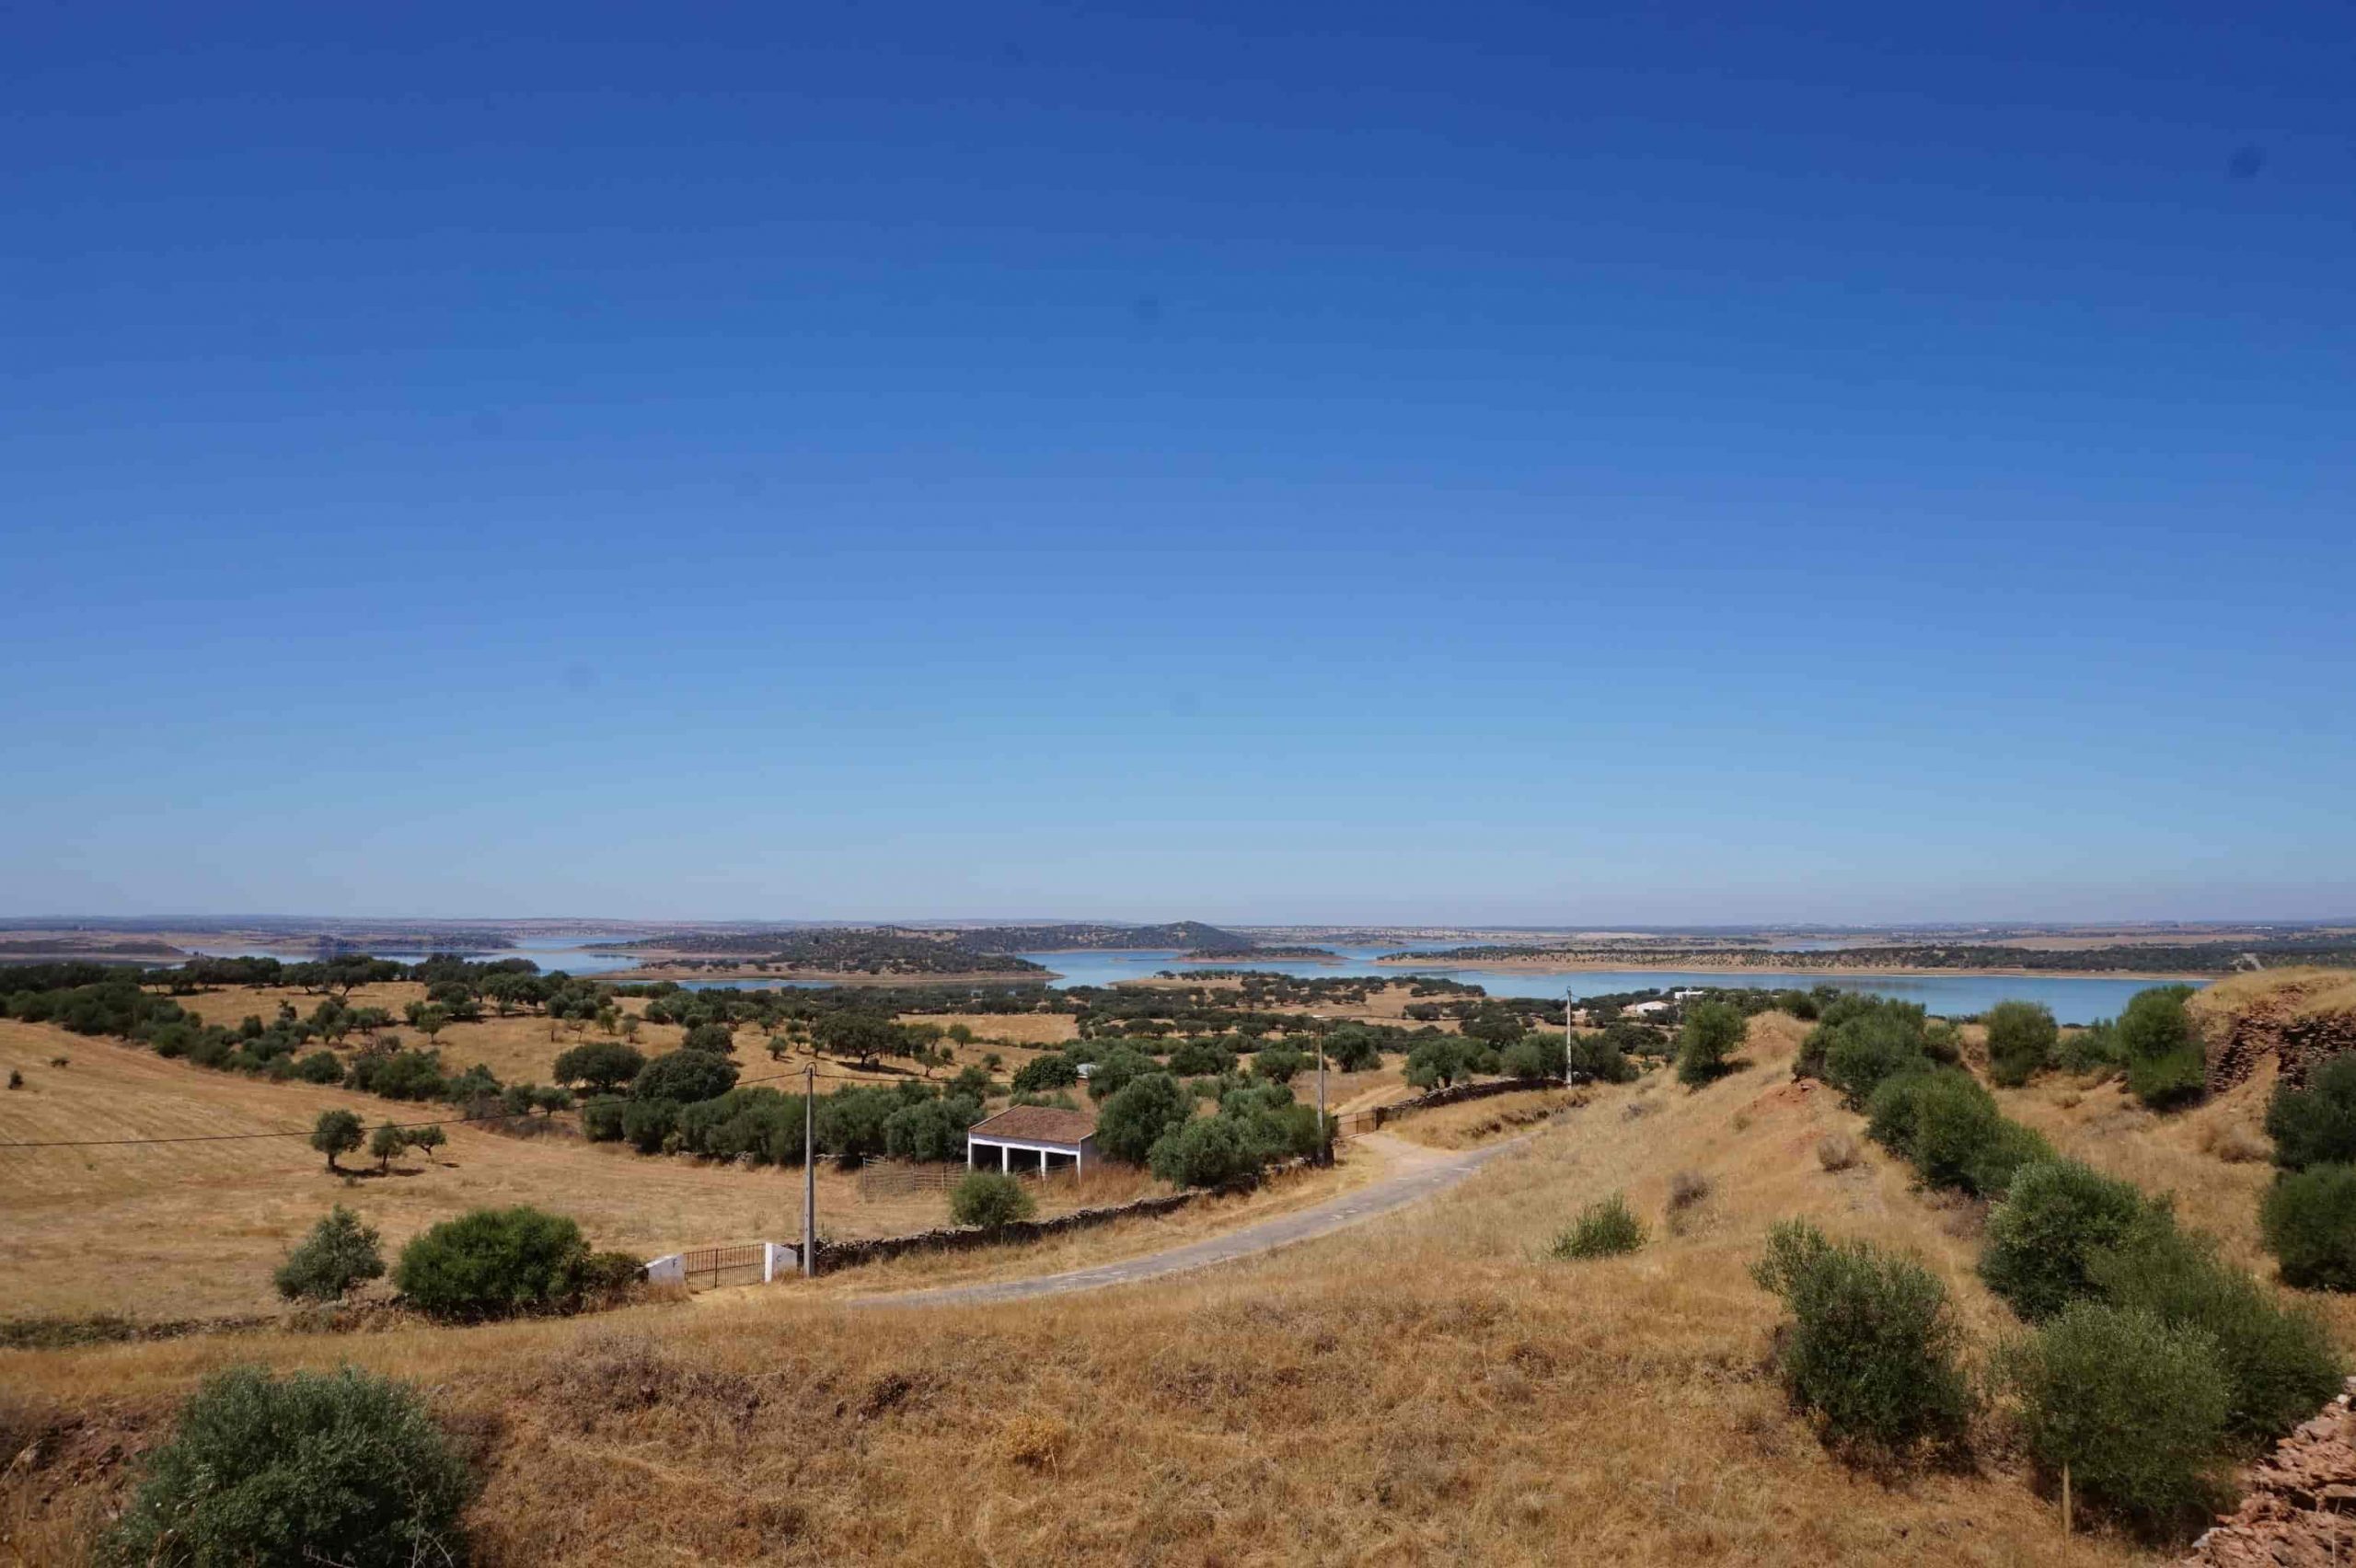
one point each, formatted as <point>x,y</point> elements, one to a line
<point>844,950</point>
<point>2291,1018</point>
<point>1428,1388</point>
<point>1079,938</point>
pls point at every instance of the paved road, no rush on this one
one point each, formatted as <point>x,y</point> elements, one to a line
<point>1422,1172</point>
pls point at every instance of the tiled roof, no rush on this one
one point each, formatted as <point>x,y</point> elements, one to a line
<point>1036,1123</point>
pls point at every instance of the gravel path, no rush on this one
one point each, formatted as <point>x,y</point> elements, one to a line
<point>1421,1174</point>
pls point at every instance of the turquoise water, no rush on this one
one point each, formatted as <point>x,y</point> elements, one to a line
<point>1945,995</point>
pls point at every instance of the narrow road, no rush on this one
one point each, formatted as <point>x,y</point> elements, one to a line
<point>1421,1174</point>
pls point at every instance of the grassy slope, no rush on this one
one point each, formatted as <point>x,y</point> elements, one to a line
<point>1427,1388</point>
<point>194,1229</point>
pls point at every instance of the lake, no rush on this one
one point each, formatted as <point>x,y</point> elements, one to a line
<point>2074,1001</point>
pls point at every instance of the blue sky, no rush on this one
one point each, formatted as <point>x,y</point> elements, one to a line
<point>1474,463</point>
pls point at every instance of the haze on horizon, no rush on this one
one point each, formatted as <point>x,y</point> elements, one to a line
<point>1495,467</point>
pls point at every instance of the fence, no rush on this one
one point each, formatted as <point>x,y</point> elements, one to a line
<point>706,1267</point>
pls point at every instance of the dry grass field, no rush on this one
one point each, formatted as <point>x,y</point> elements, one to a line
<point>1429,1388</point>
<point>194,1229</point>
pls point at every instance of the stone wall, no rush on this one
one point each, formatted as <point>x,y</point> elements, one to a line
<point>832,1255</point>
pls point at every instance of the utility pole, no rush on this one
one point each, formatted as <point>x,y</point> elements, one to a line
<point>809,1170</point>
<point>1323,1144</point>
<point>1567,1036</point>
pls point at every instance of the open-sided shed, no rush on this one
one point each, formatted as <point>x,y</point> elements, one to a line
<point>1046,1131</point>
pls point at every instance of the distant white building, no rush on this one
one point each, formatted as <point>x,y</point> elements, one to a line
<point>1652,1007</point>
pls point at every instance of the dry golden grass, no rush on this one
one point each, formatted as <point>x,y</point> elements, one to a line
<point>2299,992</point>
<point>1426,1389</point>
<point>1006,1028</point>
<point>194,1229</point>
<point>1480,1121</point>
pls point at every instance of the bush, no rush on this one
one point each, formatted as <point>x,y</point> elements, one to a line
<point>1603,1230</point>
<point>1873,1350</point>
<point>1201,1058</point>
<point>1134,1118</point>
<point>494,1262</point>
<point>1836,1151</point>
<point>2316,1125</point>
<point>2135,1407</point>
<point>1535,1059</point>
<point>1863,1052</point>
<point>2309,1220</point>
<point>600,1121</point>
<point>1207,1152</point>
<point>990,1200</point>
<point>603,1066</point>
<point>685,1076</point>
<point>1945,1123</point>
<point>932,1130</point>
<point>2166,1065</point>
<point>1599,1057</point>
<point>342,1468</point>
<point>649,1123</point>
<point>2021,1037</point>
<point>1712,1034</point>
<point>2280,1365</point>
<point>1279,1063</point>
<point>713,1037</point>
<point>1041,1074</point>
<point>340,1253</point>
<point>2044,1238</point>
<point>319,1067</point>
<point>2093,1049</point>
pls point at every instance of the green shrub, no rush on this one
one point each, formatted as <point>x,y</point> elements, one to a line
<point>1602,1230</point>
<point>340,1253</point>
<point>2134,1406</point>
<point>1210,1151</point>
<point>2021,1037</point>
<point>649,1123</point>
<point>2044,1238</point>
<point>2309,1220</point>
<point>990,1200</point>
<point>1134,1119</point>
<point>1874,1350</point>
<point>2166,1065</point>
<point>1538,1058</point>
<point>319,1067</point>
<point>2278,1362</point>
<point>1712,1034</point>
<point>342,1468</point>
<point>2316,1125</point>
<point>600,1121</point>
<point>494,1262</point>
<point>685,1076</point>
<point>1041,1074</point>
<point>1945,1123</point>
<point>1862,1042</point>
<point>1279,1063</point>
<point>2093,1049</point>
<point>1599,1057</point>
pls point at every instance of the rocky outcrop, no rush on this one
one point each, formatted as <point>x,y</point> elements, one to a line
<point>2301,1504</point>
<point>2281,1023</point>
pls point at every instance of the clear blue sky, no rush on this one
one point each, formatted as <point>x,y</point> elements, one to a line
<point>1467,462</point>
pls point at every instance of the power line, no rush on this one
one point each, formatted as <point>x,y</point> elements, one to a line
<point>437,1122</point>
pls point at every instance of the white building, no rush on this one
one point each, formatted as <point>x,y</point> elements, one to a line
<point>1045,1133</point>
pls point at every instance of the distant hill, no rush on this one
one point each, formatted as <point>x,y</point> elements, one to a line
<point>1189,935</point>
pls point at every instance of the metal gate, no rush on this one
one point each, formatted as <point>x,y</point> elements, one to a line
<point>706,1267</point>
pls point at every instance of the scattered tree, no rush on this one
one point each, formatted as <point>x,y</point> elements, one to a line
<point>337,1132</point>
